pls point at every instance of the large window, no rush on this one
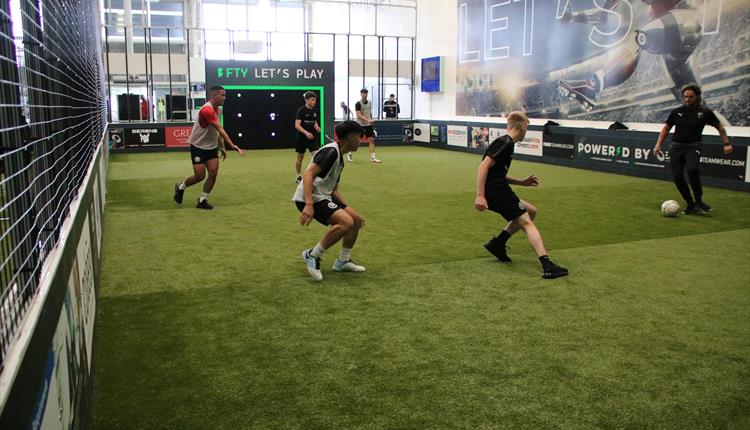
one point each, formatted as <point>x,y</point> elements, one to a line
<point>157,48</point>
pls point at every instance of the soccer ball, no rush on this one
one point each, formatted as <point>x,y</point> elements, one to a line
<point>670,208</point>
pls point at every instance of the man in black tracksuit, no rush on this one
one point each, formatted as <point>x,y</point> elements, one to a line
<point>685,151</point>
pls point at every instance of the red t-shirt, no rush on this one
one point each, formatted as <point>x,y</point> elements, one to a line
<point>207,116</point>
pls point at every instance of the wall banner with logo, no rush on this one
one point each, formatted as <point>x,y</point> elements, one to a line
<point>145,135</point>
<point>421,132</point>
<point>531,144</point>
<point>178,136</point>
<point>458,136</point>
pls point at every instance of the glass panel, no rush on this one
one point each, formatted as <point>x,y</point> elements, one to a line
<point>355,47</point>
<point>217,45</point>
<point>262,17</point>
<point>320,47</point>
<point>290,18</point>
<point>236,17</point>
<point>371,47</point>
<point>362,18</point>
<point>287,47</point>
<point>327,17</point>
<point>396,21</point>
<point>250,46</point>
<point>389,47</point>
<point>214,16</point>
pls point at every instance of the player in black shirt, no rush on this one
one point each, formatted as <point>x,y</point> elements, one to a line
<point>494,193</point>
<point>391,107</point>
<point>685,151</point>
<point>306,123</point>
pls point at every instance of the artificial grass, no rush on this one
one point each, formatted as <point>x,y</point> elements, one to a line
<point>208,319</point>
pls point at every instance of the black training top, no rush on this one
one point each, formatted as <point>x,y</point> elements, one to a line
<point>500,150</point>
<point>308,118</point>
<point>391,109</point>
<point>689,123</point>
<point>325,158</point>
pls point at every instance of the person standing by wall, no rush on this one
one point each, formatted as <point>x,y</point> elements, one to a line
<point>391,107</point>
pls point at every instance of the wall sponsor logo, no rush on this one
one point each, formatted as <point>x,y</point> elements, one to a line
<point>178,136</point>
<point>458,135</point>
<point>136,137</point>
<point>531,144</point>
<point>636,155</point>
<point>407,133</point>
<point>421,132</point>
<point>116,137</point>
<point>559,145</point>
<point>715,163</point>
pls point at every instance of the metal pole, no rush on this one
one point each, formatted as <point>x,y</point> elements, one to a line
<point>151,64</point>
<point>190,83</point>
<point>109,76</point>
<point>146,48</point>
<point>170,105</point>
<point>398,58</point>
<point>127,78</point>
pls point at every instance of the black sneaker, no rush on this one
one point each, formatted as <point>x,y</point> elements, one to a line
<point>178,193</point>
<point>693,210</point>
<point>499,251</point>
<point>704,207</point>
<point>553,271</point>
<point>204,204</point>
<point>299,179</point>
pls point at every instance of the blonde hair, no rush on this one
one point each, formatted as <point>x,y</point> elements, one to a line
<point>516,119</point>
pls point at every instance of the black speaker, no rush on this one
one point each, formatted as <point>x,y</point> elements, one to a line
<point>128,107</point>
<point>176,107</point>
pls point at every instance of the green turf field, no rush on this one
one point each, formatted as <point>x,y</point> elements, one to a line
<point>209,320</point>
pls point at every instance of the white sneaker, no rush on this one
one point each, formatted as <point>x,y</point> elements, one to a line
<point>347,266</point>
<point>349,157</point>
<point>298,180</point>
<point>375,160</point>
<point>313,265</point>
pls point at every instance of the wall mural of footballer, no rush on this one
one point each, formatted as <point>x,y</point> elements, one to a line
<point>602,60</point>
<point>673,33</point>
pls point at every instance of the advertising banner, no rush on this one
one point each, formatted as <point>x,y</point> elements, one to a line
<point>605,60</point>
<point>434,134</point>
<point>144,136</point>
<point>116,137</point>
<point>716,164</point>
<point>178,136</point>
<point>421,132</point>
<point>559,145</point>
<point>458,136</point>
<point>407,133</point>
<point>531,144</point>
<point>630,153</point>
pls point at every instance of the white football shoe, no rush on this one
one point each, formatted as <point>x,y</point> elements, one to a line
<point>313,265</point>
<point>347,266</point>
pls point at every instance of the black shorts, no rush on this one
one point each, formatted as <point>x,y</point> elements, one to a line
<point>369,131</point>
<point>507,205</point>
<point>201,156</point>
<point>305,144</point>
<point>323,209</point>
